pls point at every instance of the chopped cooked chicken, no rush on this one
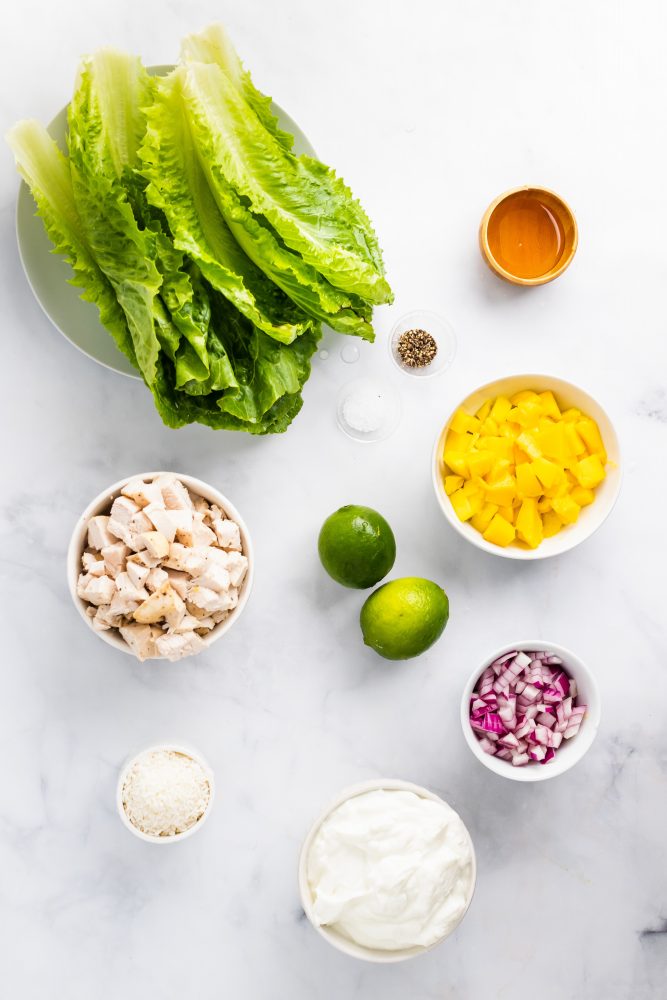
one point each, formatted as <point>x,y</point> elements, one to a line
<point>162,521</point>
<point>201,533</point>
<point>164,567</point>
<point>208,600</point>
<point>179,581</point>
<point>237,566</point>
<point>93,565</point>
<point>140,639</point>
<point>97,590</point>
<point>228,532</point>
<point>156,543</point>
<point>125,586</point>
<point>115,557</point>
<point>176,496</point>
<point>157,577</point>
<point>98,532</point>
<point>137,572</point>
<point>214,577</point>
<point>122,604</point>
<point>143,493</point>
<point>105,618</point>
<point>175,646</point>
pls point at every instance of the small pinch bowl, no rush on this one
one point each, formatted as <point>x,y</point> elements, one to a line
<point>570,751</point>
<point>101,505</point>
<point>343,944</point>
<point>559,208</point>
<point>187,751</point>
<point>606,494</point>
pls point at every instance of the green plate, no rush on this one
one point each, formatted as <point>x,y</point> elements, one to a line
<point>48,273</point>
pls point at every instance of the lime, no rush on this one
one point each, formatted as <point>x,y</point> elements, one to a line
<point>404,617</point>
<point>356,546</point>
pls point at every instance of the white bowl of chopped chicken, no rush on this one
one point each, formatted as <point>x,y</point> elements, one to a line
<point>160,565</point>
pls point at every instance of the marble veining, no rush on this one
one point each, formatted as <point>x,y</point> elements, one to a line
<point>428,110</point>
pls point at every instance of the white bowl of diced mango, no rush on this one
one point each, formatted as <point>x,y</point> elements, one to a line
<point>527,466</point>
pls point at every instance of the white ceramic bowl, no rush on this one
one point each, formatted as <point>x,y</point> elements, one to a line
<point>101,505</point>
<point>188,751</point>
<point>570,751</point>
<point>591,517</point>
<point>338,941</point>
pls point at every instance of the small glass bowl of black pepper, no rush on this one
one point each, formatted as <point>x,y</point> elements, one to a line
<point>422,344</point>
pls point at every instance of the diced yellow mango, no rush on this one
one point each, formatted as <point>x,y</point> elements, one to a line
<point>500,447</point>
<point>452,483</point>
<point>567,509</point>
<point>500,409</point>
<point>501,470</point>
<point>529,444</point>
<point>462,422</point>
<point>456,462</point>
<point>501,493</point>
<point>460,441</point>
<point>489,426</point>
<point>484,410</point>
<point>571,415</point>
<point>526,413</point>
<point>590,433</point>
<point>472,488</point>
<point>525,396</point>
<point>547,472</point>
<point>500,532</point>
<point>527,483</point>
<point>482,520</point>
<point>549,405</point>
<point>560,489</point>
<point>589,472</point>
<point>520,456</point>
<point>551,524</point>
<point>507,430</point>
<point>509,513</point>
<point>575,444</point>
<point>480,462</point>
<point>462,505</point>
<point>544,505</point>
<point>529,523</point>
<point>582,496</point>
<point>552,442</point>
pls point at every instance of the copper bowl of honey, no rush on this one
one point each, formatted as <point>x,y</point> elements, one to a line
<point>528,236</point>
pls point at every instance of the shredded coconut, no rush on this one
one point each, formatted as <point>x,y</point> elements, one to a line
<point>165,793</point>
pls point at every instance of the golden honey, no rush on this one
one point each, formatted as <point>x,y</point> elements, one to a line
<point>525,237</point>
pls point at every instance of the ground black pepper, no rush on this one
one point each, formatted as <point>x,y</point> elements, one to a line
<point>416,348</point>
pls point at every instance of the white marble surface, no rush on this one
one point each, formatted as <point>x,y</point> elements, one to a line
<point>428,110</point>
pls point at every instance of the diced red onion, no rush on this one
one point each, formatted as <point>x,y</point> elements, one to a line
<point>524,706</point>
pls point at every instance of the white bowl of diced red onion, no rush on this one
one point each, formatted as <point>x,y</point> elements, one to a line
<point>531,711</point>
<point>160,565</point>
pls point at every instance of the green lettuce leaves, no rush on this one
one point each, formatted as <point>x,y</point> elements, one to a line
<point>213,253</point>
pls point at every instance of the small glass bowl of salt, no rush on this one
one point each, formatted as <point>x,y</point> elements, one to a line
<point>368,410</point>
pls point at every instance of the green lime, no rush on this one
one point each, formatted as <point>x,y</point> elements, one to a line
<point>404,617</point>
<point>357,546</point>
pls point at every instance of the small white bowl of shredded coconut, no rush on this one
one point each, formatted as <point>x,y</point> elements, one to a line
<point>165,793</point>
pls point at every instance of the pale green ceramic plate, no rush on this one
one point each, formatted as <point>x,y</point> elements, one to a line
<point>47,273</point>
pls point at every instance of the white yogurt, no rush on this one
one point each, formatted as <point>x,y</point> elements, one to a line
<point>391,870</point>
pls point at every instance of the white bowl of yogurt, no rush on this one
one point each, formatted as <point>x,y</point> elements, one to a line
<point>165,793</point>
<point>387,871</point>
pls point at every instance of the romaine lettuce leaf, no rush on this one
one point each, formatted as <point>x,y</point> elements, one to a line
<point>309,207</point>
<point>106,125</point>
<point>213,45</point>
<point>46,172</point>
<point>179,188</point>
